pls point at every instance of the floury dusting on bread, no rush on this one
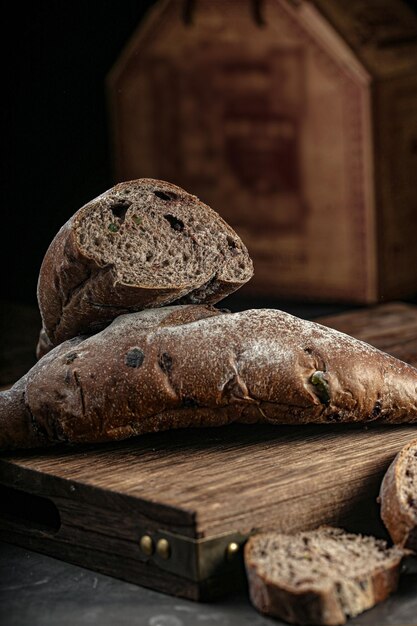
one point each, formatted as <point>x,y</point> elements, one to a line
<point>195,365</point>
<point>142,244</point>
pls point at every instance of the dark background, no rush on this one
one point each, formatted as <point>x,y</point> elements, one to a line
<point>56,140</point>
<point>56,153</point>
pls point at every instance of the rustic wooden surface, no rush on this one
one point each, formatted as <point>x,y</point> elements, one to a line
<point>200,483</point>
<point>205,482</point>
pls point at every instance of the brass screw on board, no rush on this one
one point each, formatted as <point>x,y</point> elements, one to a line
<point>163,549</point>
<point>147,545</point>
<point>231,550</point>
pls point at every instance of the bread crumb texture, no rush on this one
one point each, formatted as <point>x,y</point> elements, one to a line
<point>158,235</point>
<point>319,577</point>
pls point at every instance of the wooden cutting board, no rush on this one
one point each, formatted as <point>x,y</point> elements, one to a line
<point>171,510</point>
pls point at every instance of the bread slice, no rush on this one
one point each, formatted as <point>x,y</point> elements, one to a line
<point>398,497</point>
<point>142,244</point>
<point>319,577</point>
<point>195,365</point>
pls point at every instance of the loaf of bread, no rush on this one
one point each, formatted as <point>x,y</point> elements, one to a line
<point>319,577</point>
<point>142,244</point>
<point>398,497</point>
<point>194,365</point>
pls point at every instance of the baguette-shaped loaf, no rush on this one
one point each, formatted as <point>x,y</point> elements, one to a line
<point>318,577</point>
<point>142,244</point>
<point>195,365</point>
<point>398,497</point>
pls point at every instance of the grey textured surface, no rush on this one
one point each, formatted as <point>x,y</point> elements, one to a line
<point>37,590</point>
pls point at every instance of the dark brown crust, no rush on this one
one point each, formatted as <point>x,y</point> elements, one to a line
<point>18,428</point>
<point>77,296</point>
<point>397,518</point>
<point>313,606</point>
<point>197,366</point>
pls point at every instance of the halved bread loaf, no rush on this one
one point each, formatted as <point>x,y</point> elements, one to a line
<point>319,577</point>
<point>398,497</point>
<point>142,244</point>
<point>198,366</point>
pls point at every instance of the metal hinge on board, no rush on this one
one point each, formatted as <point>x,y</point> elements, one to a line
<point>193,559</point>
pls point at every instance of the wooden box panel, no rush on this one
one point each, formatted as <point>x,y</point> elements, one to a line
<point>396,165</point>
<point>269,118</point>
<point>203,489</point>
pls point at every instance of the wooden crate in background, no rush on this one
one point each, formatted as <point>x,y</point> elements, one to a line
<point>297,121</point>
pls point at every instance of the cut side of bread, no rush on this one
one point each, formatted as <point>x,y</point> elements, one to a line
<point>195,365</point>
<point>319,577</point>
<point>142,244</point>
<point>398,497</point>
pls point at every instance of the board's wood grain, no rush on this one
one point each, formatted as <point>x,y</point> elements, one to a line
<point>230,477</point>
<point>200,483</point>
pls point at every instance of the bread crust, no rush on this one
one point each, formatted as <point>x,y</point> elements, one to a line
<point>76,295</point>
<point>396,515</point>
<point>319,606</point>
<point>302,607</point>
<point>195,365</point>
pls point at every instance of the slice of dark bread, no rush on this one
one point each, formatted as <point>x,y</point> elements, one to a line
<point>319,577</point>
<point>142,244</point>
<point>195,365</point>
<point>398,497</point>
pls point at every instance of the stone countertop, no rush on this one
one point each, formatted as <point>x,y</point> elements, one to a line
<point>37,590</point>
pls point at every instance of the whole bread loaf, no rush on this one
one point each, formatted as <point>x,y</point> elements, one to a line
<point>142,244</point>
<point>195,365</point>
<point>319,577</point>
<point>398,497</point>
